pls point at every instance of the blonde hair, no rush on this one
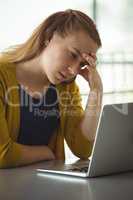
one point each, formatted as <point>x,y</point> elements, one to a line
<point>63,23</point>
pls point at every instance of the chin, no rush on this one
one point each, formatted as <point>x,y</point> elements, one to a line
<point>69,80</point>
<point>54,81</point>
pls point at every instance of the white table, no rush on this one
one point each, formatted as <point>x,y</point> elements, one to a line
<point>25,183</point>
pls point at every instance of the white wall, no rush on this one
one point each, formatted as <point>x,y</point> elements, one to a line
<point>19,18</point>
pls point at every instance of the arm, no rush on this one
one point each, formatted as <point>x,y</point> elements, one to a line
<point>76,140</point>
<point>92,113</point>
<point>31,154</point>
<point>81,129</point>
<point>94,104</point>
<point>13,154</point>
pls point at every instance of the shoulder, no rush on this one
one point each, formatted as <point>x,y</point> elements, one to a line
<point>69,91</point>
<point>72,87</point>
<point>7,73</point>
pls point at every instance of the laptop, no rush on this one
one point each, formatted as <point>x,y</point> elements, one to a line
<point>112,149</point>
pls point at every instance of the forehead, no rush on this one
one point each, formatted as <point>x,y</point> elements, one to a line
<point>81,41</point>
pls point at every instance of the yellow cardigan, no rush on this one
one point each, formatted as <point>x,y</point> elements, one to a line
<point>68,94</point>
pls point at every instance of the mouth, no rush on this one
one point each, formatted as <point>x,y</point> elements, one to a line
<point>61,76</point>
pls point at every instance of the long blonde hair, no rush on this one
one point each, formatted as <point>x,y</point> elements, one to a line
<point>62,22</point>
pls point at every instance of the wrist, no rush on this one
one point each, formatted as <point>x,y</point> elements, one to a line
<point>96,92</point>
<point>95,97</point>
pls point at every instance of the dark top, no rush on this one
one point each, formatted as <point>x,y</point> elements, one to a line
<point>38,117</point>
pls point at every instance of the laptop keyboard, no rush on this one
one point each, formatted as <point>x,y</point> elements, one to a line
<point>82,169</point>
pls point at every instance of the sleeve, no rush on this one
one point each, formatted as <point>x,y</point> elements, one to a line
<point>77,142</point>
<point>9,150</point>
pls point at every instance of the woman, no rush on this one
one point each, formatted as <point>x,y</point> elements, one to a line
<point>40,103</point>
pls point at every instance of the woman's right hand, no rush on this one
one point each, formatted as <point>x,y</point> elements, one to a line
<point>49,155</point>
<point>31,154</point>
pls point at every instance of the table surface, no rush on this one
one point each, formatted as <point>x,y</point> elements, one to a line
<point>26,183</point>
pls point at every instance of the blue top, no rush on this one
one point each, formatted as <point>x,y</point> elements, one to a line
<point>38,117</point>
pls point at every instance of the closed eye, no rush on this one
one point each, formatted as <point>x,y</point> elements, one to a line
<point>73,55</point>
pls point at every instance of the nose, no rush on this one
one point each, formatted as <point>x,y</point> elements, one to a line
<point>74,69</point>
<point>71,70</point>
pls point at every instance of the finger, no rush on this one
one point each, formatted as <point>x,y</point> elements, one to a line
<point>94,56</point>
<point>84,72</point>
<point>89,59</point>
